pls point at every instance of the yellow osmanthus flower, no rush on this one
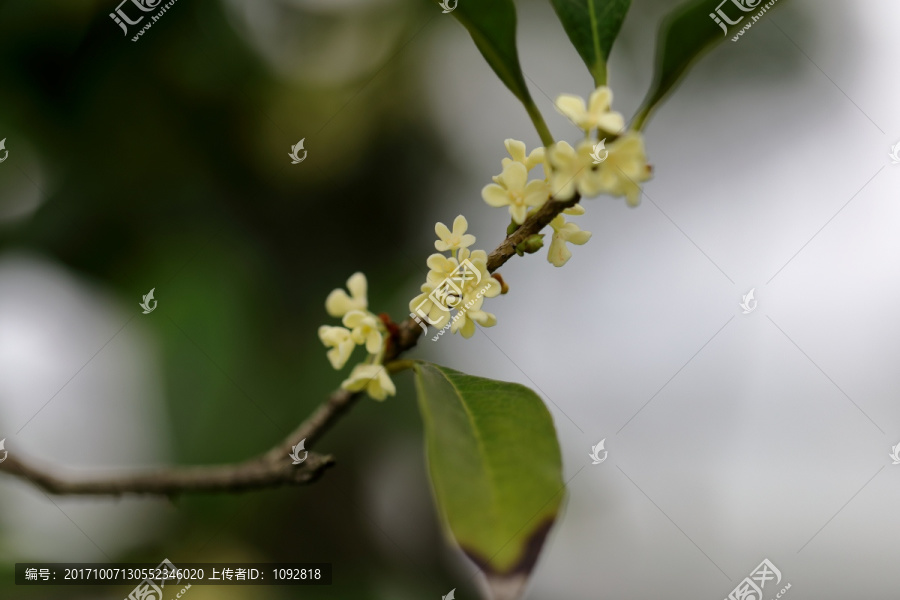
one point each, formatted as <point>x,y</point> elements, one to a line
<point>361,327</point>
<point>471,313</point>
<point>440,268</point>
<point>513,189</point>
<point>338,339</point>
<point>626,168</point>
<point>458,283</point>
<point>372,378</point>
<point>558,254</point>
<point>456,239</point>
<point>339,303</point>
<point>468,273</point>
<point>487,285</point>
<point>518,153</point>
<point>573,170</point>
<point>365,328</point>
<point>435,314</point>
<point>597,113</point>
<point>621,174</point>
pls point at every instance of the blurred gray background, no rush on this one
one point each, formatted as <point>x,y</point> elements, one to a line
<point>731,437</point>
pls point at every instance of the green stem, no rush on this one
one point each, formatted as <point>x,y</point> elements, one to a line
<point>399,365</point>
<point>538,119</point>
<point>599,72</point>
<point>640,119</point>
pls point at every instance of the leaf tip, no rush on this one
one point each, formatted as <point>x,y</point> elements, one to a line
<point>510,583</point>
<point>507,587</point>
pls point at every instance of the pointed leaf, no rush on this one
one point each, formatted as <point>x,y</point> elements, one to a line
<point>495,467</point>
<point>492,25</point>
<point>592,26</point>
<point>684,36</point>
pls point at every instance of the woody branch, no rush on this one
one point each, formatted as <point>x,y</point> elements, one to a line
<point>273,468</point>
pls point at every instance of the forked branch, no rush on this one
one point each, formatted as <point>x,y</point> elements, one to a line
<point>274,468</point>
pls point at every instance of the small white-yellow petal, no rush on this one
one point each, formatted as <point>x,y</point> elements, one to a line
<point>600,100</point>
<point>535,158</point>
<point>611,122</point>
<point>495,195</point>
<point>572,107</point>
<point>382,386</point>
<point>562,186</point>
<point>460,225</point>
<point>579,237</point>
<point>516,149</point>
<point>338,303</point>
<point>441,230</point>
<point>373,341</point>
<point>354,318</point>
<point>485,319</point>
<point>518,212</point>
<point>358,287</point>
<point>536,193</point>
<point>515,176</point>
<point>558,254</point>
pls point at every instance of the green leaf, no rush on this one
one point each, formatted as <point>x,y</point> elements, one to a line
<point>492,25</point>
<point>495,467</point>
<point>592,26</point>
<point>684,36</point>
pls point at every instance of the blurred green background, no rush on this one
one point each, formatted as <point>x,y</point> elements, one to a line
<point>163,163</point>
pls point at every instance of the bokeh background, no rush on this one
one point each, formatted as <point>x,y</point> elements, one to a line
<point>163,164</point>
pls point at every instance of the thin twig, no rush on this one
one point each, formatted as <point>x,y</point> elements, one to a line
<point>249,475</point>
<point>274,468</point>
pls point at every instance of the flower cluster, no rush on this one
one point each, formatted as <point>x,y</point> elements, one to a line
<point>568,170</point>
<point>460,282</point>
<point>360,328</point>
